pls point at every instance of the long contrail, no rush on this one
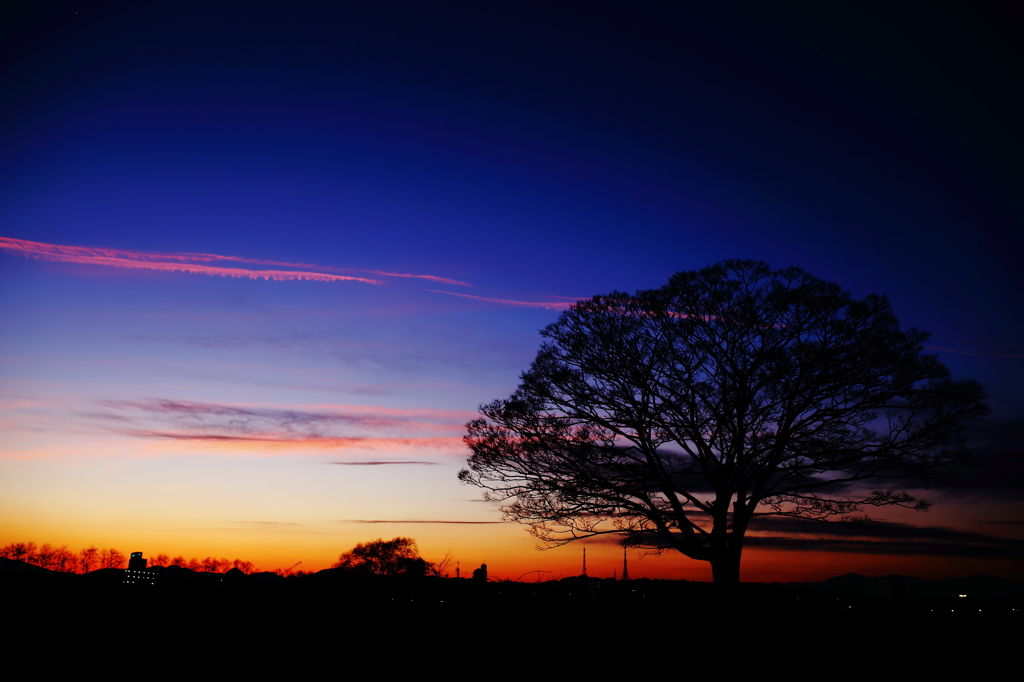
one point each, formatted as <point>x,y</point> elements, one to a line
<point>190,262</point>
<point>528,304</point>
<point>165,262</point>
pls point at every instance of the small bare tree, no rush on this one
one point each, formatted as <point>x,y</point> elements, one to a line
<point>20,551</point>
<point>63,560</point>
<point>88,558</point>
<point>245,567</point>
<point>440,568</point>
<point>112,558</point>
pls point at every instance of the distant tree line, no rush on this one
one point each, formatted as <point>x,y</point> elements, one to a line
<point>398,556</point>
<point>63,560</point>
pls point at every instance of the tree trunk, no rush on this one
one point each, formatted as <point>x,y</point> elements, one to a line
<point>725,566</point>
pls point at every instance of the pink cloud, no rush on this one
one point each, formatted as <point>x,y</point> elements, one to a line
<point>528,304</point>
<point>133,260</point>
<point>191,263</point>
<point>266,419</point>
<point>459,416</point>
<point>234,427</point>
<point>291,441</point>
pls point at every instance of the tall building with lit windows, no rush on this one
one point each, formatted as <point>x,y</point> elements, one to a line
<point>137,573</point>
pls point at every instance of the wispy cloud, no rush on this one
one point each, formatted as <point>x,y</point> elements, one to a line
<point>880,537</point>
<point>293,441</point>
<point>381,462</point>
<point>982,343</point>
<point>429,278</point>
<point>164,262</point>
<point>570,299</point>
<point>410,355</point>
<point>546,305</point>
<point>996,470</point>
<point>359,427</point>
<point>971,351</point>
<point>875,537</point>
<point>471,523</point>
<point>194,263</point>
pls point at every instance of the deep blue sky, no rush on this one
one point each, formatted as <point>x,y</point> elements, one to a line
<point>878,147</point>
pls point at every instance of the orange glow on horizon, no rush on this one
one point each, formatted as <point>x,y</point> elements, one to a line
<point>511,560</point>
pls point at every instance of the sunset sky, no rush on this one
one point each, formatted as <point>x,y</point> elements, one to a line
<point>260,262</point>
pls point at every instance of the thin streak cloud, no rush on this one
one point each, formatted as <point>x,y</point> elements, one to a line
<point>232,426</point>
<point>877,537</point>
<point>469,523</point>
<point>380,462</point>
<point>193,263</point>
<point>962,351</point>
<point>131,260</point>
<point>546,305</point>
<point>431,278</point>
<point>981,343</point>
<point>295,441</point>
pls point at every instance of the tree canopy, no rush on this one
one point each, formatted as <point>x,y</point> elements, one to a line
<point>382,557</point>
<point>677,415</point>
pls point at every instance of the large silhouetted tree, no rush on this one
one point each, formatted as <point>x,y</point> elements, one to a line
<point>677,415</point>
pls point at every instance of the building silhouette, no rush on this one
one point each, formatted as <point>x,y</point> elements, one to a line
<point>137,573</point>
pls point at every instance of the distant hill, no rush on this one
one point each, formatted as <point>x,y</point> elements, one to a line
<point>979,586</point>
<point>17,566</point>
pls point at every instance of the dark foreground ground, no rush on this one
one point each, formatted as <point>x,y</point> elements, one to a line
<point>400,616</point>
